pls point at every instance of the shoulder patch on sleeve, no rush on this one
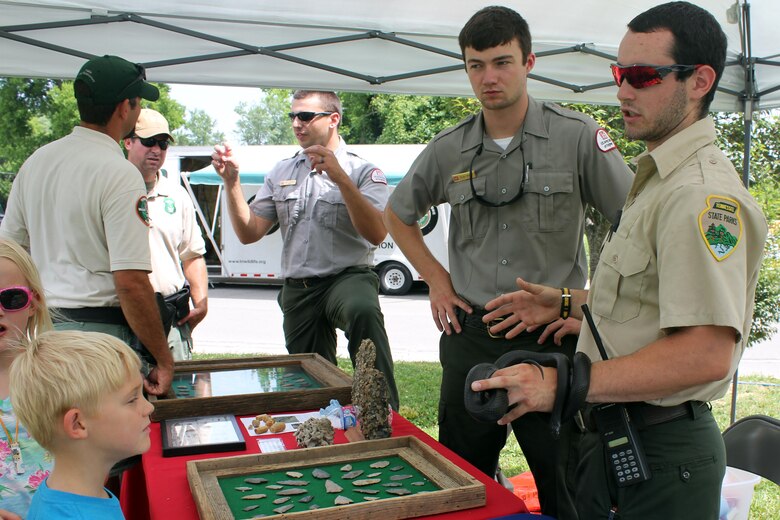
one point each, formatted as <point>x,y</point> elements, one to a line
<point>142,210</point>
<point>378,175</point>
<point>720,226</point>
<point>603,141</point>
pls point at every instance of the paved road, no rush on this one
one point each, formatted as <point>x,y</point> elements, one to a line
<point>247,319</point>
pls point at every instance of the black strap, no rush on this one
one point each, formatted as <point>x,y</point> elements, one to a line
<point>572,389</point>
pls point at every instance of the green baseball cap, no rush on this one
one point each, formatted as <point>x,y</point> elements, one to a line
<point>111,79</point>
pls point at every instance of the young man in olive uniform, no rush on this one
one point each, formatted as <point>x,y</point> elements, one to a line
<point>328,203</point>
<point>672,297</point>
<point>519,176</point>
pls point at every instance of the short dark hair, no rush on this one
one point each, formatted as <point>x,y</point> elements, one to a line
<point>493,26</point>
<point>698,39</point>
<point>96,114</point>
<point>330,100</point>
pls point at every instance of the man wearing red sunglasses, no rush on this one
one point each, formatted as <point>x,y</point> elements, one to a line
<point>672,297</point>
<point>80,208</point>
<point>519,176</point>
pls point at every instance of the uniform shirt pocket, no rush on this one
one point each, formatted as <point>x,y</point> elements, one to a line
<point>619,279</point>
<point>331,209</point>
<point>548,201</point>
<point>467,209</point>
<point>285,198</point>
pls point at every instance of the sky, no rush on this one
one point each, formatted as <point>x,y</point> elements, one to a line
<point>217,102</point>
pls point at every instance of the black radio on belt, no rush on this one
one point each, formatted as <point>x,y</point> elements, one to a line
<point>618,432</point>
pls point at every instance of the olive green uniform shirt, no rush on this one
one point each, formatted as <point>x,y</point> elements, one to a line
<point>571,163</point>
<point>686,253</point>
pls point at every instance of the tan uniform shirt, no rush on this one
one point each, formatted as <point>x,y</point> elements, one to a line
<point>571,163</point>
<point>174,235</point>
<point>687,252</point>
<point>319,238</point>
<point>79,206</point>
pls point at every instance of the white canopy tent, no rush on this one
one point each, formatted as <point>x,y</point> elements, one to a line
<point>400,46</point>
<point>404,46</point>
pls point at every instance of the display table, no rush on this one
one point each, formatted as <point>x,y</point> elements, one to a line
<point>157,489</point>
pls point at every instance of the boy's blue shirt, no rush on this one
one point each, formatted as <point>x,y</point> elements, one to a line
<point>50,504</point>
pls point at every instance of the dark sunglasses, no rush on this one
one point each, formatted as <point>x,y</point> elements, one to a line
<point>306,116</point>
<point>487,203</point>
<point>149,142</point>
<point>16,298</point>
<point>641,76</point>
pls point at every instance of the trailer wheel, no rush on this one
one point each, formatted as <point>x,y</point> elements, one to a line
<point>394,279</point>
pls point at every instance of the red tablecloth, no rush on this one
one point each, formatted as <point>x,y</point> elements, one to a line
<point>157,489</point>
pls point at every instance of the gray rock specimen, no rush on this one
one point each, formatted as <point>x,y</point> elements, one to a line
<point>370,395</point>
<point>314,432</point>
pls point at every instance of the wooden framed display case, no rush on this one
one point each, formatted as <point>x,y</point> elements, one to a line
<point>249,485</point>
<point>252,385</point>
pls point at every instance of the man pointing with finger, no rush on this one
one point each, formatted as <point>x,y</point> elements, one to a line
<point>328,203</point>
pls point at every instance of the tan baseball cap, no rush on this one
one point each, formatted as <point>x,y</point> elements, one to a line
<point>151,123</point>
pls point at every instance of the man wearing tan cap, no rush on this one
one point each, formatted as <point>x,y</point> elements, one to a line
<point>177,245</point>
<point>80,209</point>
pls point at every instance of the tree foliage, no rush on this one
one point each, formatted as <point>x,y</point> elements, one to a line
<point>198,130</point>
<point>38,111</point>
<point>266,121</point>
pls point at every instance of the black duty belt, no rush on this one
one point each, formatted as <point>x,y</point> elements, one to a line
<point>109,315</point>
<point>645,415</point>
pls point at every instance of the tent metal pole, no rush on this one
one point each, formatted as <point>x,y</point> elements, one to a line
<point>748,100</point>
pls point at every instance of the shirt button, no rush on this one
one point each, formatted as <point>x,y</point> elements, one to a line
<point>503,156</point>
<point>462,197</point>
<point>614,258</point>
<point>503,190</point>
<point>504,262</point>
<point>504,226</point>
<point>713,160</point>
<point>546,188</point>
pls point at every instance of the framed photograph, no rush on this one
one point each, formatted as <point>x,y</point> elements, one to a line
<point>402,476</point>
<point>252,386</point>
<point>195,435</point>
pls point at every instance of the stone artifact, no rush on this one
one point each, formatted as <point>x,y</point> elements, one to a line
<point>314,432</point>
<point>369,394</point>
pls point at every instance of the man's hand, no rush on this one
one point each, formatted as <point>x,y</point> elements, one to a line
<point>194,317</point>
<point>159,379</point>
<point>224,163</point>
<point>324,160</point>
<point>444,301</point>
<point>525,387</point>
<point>561,328</point>
<point>533,305</point>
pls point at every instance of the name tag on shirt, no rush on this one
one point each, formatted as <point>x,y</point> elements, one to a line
<point>460,177</point>
<point>288,182</point>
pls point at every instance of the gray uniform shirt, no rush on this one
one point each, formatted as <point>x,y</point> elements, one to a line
<point>571,163</point>
<point>319,238</point>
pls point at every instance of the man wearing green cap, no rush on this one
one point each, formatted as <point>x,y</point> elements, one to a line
<point>80,208</point>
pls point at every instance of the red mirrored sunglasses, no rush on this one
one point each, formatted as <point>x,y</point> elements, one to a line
<point>641,76</point>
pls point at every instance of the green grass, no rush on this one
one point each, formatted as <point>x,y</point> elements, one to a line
<point>418,385</point>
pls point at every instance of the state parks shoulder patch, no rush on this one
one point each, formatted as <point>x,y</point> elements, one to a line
<point>720,226</point>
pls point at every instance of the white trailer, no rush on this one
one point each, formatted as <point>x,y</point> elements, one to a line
<point>261,262</point>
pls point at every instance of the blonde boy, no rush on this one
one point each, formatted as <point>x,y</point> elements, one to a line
<point>80,396</point>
